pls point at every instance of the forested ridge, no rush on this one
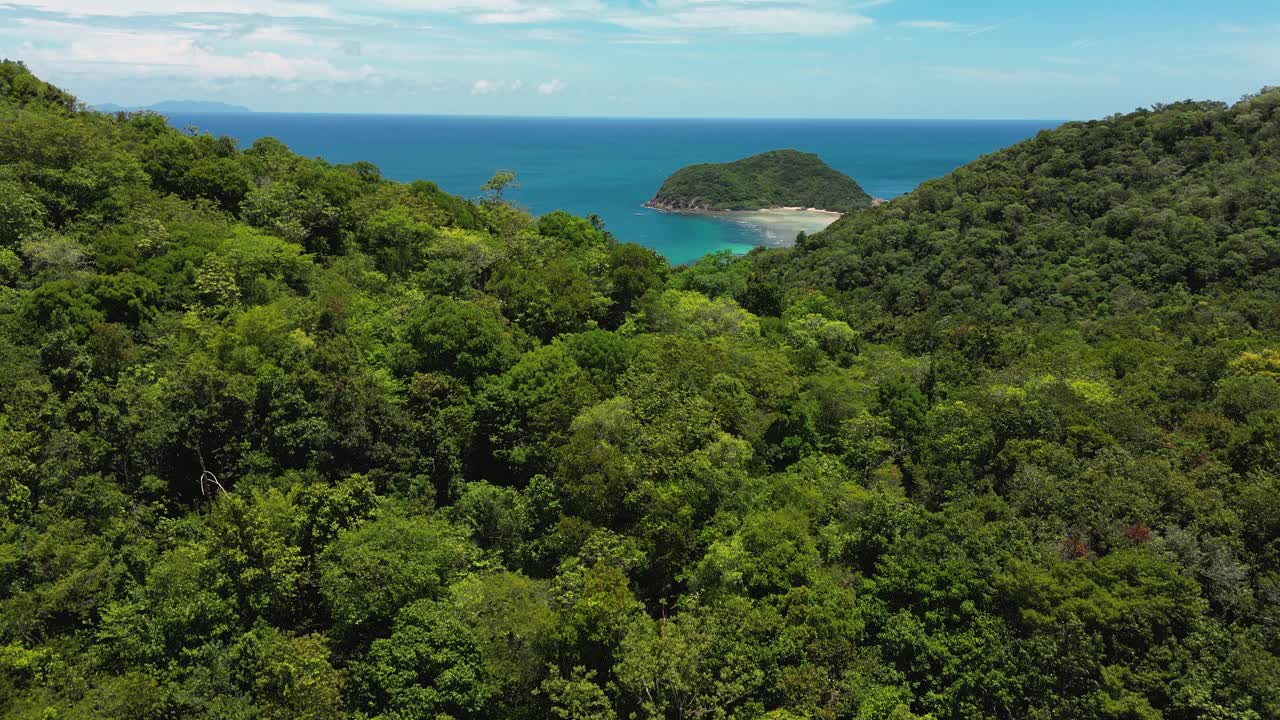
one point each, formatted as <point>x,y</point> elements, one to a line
<point>285,439</point>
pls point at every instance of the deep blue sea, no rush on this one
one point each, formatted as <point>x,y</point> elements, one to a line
<point>612,166</point>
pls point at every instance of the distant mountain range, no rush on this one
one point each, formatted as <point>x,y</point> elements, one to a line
<point>177,106</point>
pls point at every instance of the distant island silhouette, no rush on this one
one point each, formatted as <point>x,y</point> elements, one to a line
<point>176,106</point>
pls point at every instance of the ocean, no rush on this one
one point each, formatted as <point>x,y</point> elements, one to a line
<point>612,166</point>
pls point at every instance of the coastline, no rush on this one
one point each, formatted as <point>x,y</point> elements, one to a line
<point>665,207</point>
<point>773,227</point>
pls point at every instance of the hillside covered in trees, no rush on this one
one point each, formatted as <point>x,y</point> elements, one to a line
<point>778,178</point>
<point>284,439</point>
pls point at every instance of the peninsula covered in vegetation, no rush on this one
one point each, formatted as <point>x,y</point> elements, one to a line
<point>775,179</point>
<point>286,439</point>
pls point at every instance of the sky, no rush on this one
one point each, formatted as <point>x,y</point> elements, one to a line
<point>1029,59</point>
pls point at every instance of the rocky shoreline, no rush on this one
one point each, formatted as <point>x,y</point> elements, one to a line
<point>691,206</point>
<point>701,207</point>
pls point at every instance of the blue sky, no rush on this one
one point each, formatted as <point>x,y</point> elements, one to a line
<point>688,58</point>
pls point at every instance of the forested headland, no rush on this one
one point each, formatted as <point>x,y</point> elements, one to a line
<point>778,178</point>
<point>286,439</point>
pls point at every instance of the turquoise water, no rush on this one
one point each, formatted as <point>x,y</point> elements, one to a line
<point>612,166</point>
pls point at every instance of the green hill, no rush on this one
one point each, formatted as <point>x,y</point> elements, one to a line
<point>286,439</point>
<point>779,178</point>
<point>1081,222</point>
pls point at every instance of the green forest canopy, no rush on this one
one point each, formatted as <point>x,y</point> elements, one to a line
<point>284,439</point>
<point>778,178</point>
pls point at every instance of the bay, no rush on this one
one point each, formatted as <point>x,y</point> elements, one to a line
<point>612,166</point>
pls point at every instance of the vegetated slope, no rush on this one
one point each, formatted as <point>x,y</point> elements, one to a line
<point>284,439</point>
<point>779,178</point>
<point>1079,222</point>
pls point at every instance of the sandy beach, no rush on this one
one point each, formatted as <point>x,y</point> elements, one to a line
<point>779,226</point>
<point>773,227</point>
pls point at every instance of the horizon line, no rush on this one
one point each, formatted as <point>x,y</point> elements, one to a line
<point>695,118</point>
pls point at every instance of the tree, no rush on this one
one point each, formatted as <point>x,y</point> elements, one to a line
<point>373,570</point>
<point>633,272</point>
<point>902,403</point>
<point>529,408</point>
<point>474,654</point>
<point>460,338</point>
<point>576,232</point>
<point>577,697</point>
<point>547,301</point>
<point>698,663</point>
<point>497,185</point>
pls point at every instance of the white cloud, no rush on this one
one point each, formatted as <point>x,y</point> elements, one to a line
<point>984,29</point>
<point>498,12</point>
<point>1017,77</point>
<point>743,17</point>
<point>554,35</point>
<point>746,17</point>
<point>1063,60</point>
<point>452,6</point>
<point>1265,56</point>
<point>116,8</point>
<point>945,25</point>
<point>315,44</point>
<point>174,54</point>
<point>518,17</point>
<point>492,87</point>
<point>650,40</point>
<point>281,35</point>
<point>948,26</point>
